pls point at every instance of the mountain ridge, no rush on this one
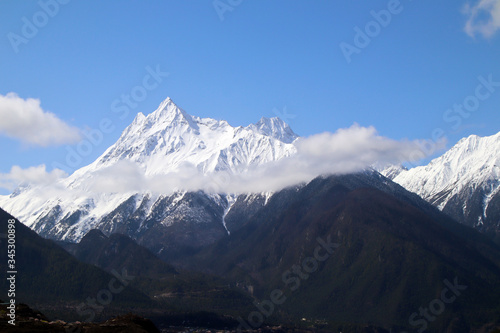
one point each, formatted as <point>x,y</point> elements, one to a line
<point>464,182</point>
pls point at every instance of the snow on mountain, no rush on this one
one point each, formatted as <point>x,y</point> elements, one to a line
<point>464,182</point>
<point>169,139</point>
<point>165,142</point>
<point>392,171</point>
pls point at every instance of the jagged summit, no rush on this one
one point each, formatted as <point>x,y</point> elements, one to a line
<point>276,128</point>
<point>168,111</point>
<point>166,102</point>
<point>169,137</point>
<point>168,114</point>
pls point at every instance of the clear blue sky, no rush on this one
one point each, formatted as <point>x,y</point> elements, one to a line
<point>263,55</point>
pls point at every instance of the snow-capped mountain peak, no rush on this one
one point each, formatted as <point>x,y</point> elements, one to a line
<point>167,143</point>
<point>463,181</point>
<point>392,171</point>
<point>169,112</point>
<point>169,137</point>
<point>167,115</point>
<point>276,128</point>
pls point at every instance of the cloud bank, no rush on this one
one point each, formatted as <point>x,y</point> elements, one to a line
<point>33,176</point>
<point>345,151</point>
<point>25,120</point>
<point>482,18</point>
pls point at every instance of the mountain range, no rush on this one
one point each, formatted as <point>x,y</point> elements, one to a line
<point>353,253</point>
<point>134,187</point>
<point>356,252</point>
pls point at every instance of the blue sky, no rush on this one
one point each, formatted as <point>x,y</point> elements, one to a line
<point>241,60</point>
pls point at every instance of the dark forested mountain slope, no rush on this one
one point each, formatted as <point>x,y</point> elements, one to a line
<point>359,248</point>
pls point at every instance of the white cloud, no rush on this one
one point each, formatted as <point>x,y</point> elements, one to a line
<point>31,176</point>
<point>482,18</point>
<point>345,151</point>
<point>25,120</point>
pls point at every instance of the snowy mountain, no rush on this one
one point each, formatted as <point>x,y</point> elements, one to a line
<point>464,182</point>
<point>109,195</point>
<point>169,138</point>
